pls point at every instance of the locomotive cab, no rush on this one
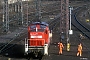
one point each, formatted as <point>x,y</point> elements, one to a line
<point>38,38</point>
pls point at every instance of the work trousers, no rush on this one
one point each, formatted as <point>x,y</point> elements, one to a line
<point>79,53</point>
<point>60,51</point>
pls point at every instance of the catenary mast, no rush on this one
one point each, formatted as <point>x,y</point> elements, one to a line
<point>64,21</point>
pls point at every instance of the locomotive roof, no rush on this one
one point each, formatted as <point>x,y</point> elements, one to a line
<point>42,23</point>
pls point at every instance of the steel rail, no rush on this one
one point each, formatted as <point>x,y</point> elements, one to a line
<point>12,40</point>
<point>82,26</point>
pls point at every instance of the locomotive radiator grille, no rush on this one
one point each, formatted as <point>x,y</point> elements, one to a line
<point>36,42</point>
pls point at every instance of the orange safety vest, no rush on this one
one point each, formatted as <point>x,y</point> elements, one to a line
<point>79,48</point>
<point>61,45</point>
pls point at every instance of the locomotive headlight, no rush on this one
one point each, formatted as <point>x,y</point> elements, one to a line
<point>39,36</point>
<point>36,36</point>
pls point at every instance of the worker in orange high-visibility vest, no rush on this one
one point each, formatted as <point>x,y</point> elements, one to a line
<point>79,50</point>
<point>60,45</point>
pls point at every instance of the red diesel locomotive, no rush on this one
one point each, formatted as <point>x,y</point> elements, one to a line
<point>39,37</point>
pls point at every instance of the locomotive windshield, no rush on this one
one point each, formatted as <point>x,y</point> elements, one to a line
<point>38,28</point>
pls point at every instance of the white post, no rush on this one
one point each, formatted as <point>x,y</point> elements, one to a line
<point>70,18</point>
<point>70,31</point>
<point>46,49</point>
<point>26,46</point>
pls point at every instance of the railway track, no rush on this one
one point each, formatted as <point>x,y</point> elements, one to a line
<point>85,31</point>
<point>12,43</point>
<point>53,49</point>
<point>81,27</point>
<point>55,23</point>
<point>14,15</point>
<point>74,40</point>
